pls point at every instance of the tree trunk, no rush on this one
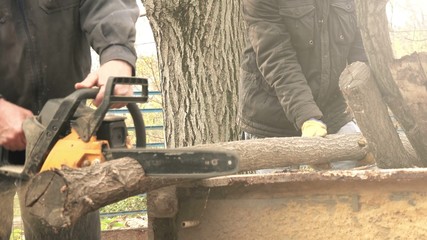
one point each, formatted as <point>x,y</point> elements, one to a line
<point>374,27</point>
<point>199,45</point>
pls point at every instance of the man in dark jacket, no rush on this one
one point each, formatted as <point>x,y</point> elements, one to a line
<point>45,53</point>
<point>290,68</point>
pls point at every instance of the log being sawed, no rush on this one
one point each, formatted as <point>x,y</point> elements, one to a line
<point>61,196</point>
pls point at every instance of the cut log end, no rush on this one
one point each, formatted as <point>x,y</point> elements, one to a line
<point>48,188</point>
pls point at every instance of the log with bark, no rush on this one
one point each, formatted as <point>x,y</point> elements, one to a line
<point>61,196</point>
<point>365,100</point>
<point>402,82</point>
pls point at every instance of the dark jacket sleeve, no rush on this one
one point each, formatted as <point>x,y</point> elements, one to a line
<point>277,60</point>
<point>357,52</point>
<point>110,28</point>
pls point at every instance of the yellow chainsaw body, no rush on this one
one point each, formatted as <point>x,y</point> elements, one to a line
<point>73,152</point>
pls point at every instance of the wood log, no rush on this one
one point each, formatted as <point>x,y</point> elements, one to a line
<point>162,203</point>
<point>162,207</point>
<point>282,152</point>
<point>373,23</point>
<point>365,100</point>
<point>61,196</point>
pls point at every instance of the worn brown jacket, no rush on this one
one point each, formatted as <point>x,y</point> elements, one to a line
<point>45,44</point>
<point>291,66</point>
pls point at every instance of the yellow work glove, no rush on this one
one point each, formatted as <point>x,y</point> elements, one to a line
<point>313,128</point>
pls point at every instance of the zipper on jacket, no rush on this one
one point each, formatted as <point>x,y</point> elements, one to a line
<point>37,81</point>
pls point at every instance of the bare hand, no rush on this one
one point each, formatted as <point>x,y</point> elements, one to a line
<point>114,68</point>
<point>11,118</point>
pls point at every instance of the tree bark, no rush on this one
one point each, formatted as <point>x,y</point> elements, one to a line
<point>61,196</point>
<point>365,100</point>
<point>282,152</point>
<point>374,28</point>
<point>199,45</point>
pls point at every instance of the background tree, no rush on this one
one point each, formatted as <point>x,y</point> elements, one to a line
<point>199,45</point>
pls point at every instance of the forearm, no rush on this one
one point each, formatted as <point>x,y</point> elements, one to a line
<point>110,28</point>
<point>276,59</point>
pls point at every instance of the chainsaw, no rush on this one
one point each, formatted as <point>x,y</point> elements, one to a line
<point>68,132</point>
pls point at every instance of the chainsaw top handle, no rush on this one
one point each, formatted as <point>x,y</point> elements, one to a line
<point>88,125</point>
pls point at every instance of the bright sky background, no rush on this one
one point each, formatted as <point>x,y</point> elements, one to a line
<point>144,43</point>
<point>401,13</point>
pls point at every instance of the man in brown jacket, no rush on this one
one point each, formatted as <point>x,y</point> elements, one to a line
<point>45,53</point>
<point>290,69</point>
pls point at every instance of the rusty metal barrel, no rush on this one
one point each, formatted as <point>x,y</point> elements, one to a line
<point>348,204</point>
